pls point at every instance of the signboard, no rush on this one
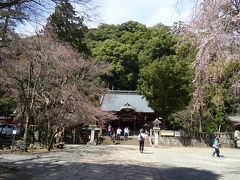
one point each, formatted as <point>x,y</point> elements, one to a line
<point>167,133</point>
<point>14,132</point>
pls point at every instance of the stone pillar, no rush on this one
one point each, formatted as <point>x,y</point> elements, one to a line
<point>156,130</point>
<point>92,142</point>
<point>92,135</point>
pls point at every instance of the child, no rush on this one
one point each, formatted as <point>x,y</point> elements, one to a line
<point>216,145</point>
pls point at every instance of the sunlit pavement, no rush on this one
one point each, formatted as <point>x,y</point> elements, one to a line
<point>123,162</point>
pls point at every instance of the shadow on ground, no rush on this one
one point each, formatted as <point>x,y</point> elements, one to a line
<point>183,173</point>
<point>28,170</point>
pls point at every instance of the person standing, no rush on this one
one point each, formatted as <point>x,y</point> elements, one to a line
<point>113,137</point>
<point>216,146</point>
<point>109,130</point>
<point>126,133</point>
<point>59,136</point>
<point>141,138</point>
<point>119,131</point>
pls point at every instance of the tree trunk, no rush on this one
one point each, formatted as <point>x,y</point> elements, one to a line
<point>74,135</point>
<point>50,142</point>
<point>5,28</point>
<point>219,128</point>
<point>49,136</point>
<point>200,120</point>
<point>25,136</point>
<point>48,132</point>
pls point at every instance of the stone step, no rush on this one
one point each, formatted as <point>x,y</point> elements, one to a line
<point>132,140</point>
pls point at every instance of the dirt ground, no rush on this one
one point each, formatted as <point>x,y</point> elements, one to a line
<point>122,162</point>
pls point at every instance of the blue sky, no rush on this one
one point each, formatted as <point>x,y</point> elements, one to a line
<point>148,12</point>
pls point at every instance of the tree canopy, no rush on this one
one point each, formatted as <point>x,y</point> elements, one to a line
<point>54,85</point>
<point>68,26</point>
<point>166,83</point>
<point>129,47</point>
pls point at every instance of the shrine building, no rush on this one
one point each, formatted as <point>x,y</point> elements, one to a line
<point>131,109</point>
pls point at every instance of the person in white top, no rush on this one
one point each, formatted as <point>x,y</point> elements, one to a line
<point>141,138</point>
<point>126,133</point>
<point>109,130</point>
<point>119,131</point>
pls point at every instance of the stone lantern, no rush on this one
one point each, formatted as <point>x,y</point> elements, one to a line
<point>156,129</point>
<point>157,123</point>
<point>91,142</point>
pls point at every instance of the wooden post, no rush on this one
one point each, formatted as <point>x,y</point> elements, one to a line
<point>119,121</point>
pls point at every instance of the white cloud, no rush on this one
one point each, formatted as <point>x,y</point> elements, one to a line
<point>167,15</point>
<point>149,12</point>
<point>29,29</point>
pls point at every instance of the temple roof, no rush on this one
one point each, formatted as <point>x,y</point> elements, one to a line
<point>235,120</point>
<point>117,100</point>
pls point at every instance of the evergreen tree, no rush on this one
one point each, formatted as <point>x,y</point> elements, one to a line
<point>166,82</point>
<point>9,18</point>
<point>68,26</point>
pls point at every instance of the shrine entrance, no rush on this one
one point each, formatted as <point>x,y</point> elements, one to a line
<point>131,109</point>
<point>133,120</point>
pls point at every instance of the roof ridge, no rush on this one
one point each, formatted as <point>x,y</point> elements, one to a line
<point>122,92</point>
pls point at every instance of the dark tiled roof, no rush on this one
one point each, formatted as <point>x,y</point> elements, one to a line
<point>116,100</point>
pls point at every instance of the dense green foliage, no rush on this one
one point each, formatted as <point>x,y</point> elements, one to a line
<point>160,43</point>
<point>166,83</point>
<point>120,46</point>
<point>128,47</point>
<point>124,63</point>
